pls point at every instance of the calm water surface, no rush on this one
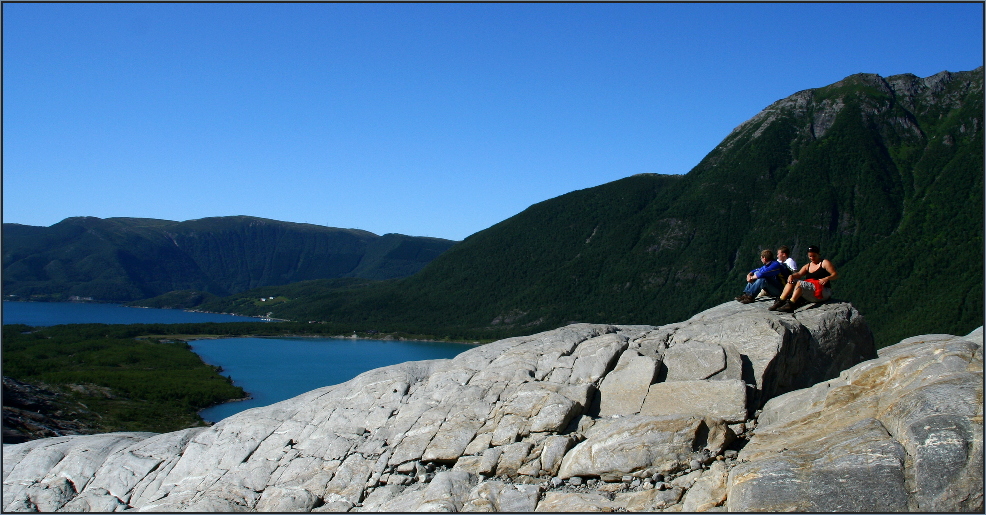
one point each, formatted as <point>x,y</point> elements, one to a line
<point>274,369</point>
<point>269,369</point>
<point>54,313</point>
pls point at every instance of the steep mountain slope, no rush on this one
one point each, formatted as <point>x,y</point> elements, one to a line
<point>885,174</point>
<point>134,258</point>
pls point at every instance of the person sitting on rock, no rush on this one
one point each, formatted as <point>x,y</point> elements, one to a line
<point>810,284</point>
<point>784,256</point>
<point>763,278</point>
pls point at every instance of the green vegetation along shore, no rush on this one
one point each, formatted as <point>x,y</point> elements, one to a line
<point>140,377</point>
<point>123,383</point>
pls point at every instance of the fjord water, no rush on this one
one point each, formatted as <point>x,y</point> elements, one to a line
<point>275,369</point>
<point>54,313</point>
<point>269,369</point>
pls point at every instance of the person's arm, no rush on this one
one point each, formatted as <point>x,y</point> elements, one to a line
<point>769,270</point>
<point>833,273</point>
<point>797,275</point>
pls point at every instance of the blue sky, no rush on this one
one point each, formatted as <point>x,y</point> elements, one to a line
<point>422,119</point>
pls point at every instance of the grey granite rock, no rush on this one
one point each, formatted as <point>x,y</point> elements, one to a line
<point>649,500</point>
<point>428,435</point>
<point>638,444</point>
<point>448,492</point>
<point>498,496</point>
<point>708,491</point>
<point>780,352</point>
<point>576,502</point>
<point>623,390</point>
<point>722,399</point>
<point>900,432</point>
<point>694,360</point>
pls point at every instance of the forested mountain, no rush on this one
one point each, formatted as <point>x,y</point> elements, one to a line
<point>884,174</point>
<point>122,259</point>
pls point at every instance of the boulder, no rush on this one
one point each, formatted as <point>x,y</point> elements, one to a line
<point>623,390</point>
<point>722,399</point>
<point>574,502</point>
<point>498,496</point>
<point>649,500</point>
<point>447,492</point>
<point>708,491</point>
<point>638,445</point>
<point>778,352</point>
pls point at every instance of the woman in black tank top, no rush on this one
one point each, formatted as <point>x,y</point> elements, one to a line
<point>813,284</point>
<point>819,273</point>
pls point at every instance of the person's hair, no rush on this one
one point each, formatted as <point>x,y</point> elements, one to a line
<point>769,254</point>
<point>784,249</point>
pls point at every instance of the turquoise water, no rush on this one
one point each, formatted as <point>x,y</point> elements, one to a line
<point>269,369</point>
<point>54,313</point>
<point>274,369</point>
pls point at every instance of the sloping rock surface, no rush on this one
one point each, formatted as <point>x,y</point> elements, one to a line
<point>581,418</point>
<point>903,432</point>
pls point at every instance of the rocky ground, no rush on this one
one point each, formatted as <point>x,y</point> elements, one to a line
<point>737,409</point>
<point>35,411</point>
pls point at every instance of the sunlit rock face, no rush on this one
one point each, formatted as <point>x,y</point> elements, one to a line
<point>584,417</point>
<point>903,432</point>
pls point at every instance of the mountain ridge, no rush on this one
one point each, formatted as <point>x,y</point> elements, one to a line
<point>121,259</point>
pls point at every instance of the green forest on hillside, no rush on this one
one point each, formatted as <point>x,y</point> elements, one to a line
<point>133,259</point>
<point>886,175</point>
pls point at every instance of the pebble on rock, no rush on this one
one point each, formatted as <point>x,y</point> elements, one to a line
<point>575,481</point>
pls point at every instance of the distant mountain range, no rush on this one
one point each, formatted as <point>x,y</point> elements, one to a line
<point>884,174</point>
<point>125,259</point>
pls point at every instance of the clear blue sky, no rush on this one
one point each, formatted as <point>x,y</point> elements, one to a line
<point>423,119</point>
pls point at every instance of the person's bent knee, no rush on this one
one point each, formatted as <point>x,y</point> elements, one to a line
<point>809,294</point>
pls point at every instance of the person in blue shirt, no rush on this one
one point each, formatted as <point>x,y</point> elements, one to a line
<point>763,278</point>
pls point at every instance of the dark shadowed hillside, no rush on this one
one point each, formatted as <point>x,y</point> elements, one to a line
<point>121,259</point>
<point>884,174</point>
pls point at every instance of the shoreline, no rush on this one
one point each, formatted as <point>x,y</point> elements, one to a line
<point>193,337</point>
<point>380,337</point>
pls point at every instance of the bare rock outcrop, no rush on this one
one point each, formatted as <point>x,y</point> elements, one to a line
<point>581,418</point>
<point>903,432</point>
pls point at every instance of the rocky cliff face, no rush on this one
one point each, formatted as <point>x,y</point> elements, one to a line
<point>581,418</point>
